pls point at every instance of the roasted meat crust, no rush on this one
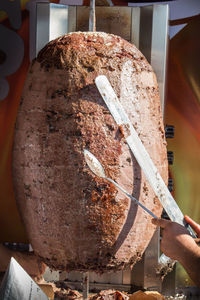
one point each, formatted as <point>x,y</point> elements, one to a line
<point>75,220</point>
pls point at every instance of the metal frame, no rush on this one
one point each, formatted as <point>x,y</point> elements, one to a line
<point>147,28</point>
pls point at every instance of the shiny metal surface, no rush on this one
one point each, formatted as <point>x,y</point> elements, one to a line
<point>135,26</point>
<point>159,47</point>
<point>116,20</point>
<point>85,285</point>
<point>72,19</point>
<point>142,156</point>
<point>150,34</point>
<point>144,272</point>
<point>104,2</point>
<point>146,19</point>
<point>18,285</point>
<point>42,25</point>
<point>52,22</point>
<point>92,18</point>
<point>58,23</point>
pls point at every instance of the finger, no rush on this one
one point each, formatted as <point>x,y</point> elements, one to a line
<point>197,241</point>
<point>193,224</point>
<point>160,222</point>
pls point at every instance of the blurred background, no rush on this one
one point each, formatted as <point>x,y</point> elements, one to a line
<point>182,106</point>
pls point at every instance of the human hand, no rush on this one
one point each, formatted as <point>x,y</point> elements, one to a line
<point>178,244</point>
<point>176,241</point>
<point>193,224</point>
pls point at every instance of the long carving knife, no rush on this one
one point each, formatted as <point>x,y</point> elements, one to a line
<point>140,153</point>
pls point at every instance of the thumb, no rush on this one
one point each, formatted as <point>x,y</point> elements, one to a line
<point>160,222</point>
<point>193,224</point>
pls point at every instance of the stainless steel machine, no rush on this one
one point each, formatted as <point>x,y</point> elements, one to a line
<point>147,28</point>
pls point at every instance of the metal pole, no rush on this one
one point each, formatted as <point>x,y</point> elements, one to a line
<point>85,283</point>
<point>92,18</point>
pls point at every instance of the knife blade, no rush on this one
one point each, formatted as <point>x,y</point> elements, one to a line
<point>142,156</point>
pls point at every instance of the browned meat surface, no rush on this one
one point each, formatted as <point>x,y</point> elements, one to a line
<point>75,220</point>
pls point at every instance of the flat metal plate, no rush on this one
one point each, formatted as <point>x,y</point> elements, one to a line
<point>18,285</point>
<point>116,20</point>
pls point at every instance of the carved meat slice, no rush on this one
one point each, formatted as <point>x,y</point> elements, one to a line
<point>75,220</point>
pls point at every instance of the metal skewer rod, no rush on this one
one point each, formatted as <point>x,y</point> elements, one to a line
<point>131,197</point>
<point>85,283</point>
<point>92,18</point>
<point>97,168</point>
